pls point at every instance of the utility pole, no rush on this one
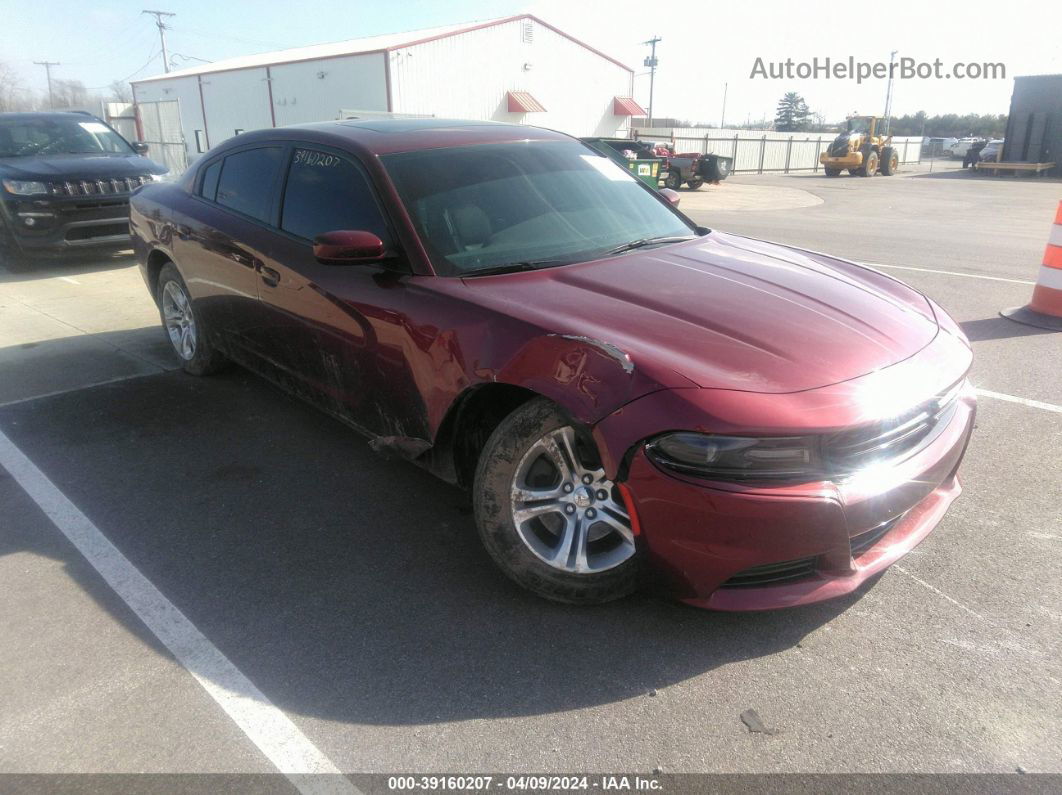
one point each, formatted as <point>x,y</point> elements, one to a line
<point>162,33</point>
<point>722,116</point>
<point>48,71</point>
<point>650,61</point>
<point>888,93</point>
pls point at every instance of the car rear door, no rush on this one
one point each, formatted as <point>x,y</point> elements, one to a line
<point>223,237</point>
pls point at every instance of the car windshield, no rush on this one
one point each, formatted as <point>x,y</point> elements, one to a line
<point>27,137</point>
<point>528,202</point>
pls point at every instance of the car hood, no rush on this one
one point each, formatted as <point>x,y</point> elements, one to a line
<point>726,312</point>
<point>56,167</point>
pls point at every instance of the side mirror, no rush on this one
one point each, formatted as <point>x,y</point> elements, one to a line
<point>348,247</point>
<point>671,196</point>
<point>140,147</point>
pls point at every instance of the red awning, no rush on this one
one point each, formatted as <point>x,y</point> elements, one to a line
<point>626,106</point>
<point>523,102</point>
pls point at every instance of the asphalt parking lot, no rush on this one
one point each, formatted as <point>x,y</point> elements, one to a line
<point>353,593</point>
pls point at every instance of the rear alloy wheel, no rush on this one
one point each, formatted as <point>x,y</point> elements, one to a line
<point>695,183</point>
<point>185,332</point>
<point>547,513</point>
<point>673,180</point>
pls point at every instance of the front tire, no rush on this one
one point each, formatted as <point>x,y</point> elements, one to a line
<point>548,515</point>
<point>695,183</point>
<point>183,327</point>
<point>832,172</point>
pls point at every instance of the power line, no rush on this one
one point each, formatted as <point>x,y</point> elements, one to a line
<point>162,33</point>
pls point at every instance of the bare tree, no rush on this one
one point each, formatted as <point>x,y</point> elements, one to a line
<point>121,92</point>
<point>69,93</point>
<point>13,96</point>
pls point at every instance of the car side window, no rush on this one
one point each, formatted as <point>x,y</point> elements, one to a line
<point>326,192</point>
<point>208,187</point>
<point>247,179</point>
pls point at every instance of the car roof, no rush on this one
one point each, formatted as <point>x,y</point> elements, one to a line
<point>48,114</point>
<point>386,136</point>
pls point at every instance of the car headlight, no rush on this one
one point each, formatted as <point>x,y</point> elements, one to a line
<point>23,188</point>
<point>790,458</point>
<point>166,177</point>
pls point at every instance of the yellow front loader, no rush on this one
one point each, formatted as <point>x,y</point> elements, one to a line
<point>860,150</point>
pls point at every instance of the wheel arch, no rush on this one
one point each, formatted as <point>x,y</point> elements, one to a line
<point>467,425</point>
<point>156,260</point>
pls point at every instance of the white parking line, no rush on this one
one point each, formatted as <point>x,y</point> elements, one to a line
<point>115,380</point>
<point>266,725</point>
<point>1036,404</point>
<point>948,273</point>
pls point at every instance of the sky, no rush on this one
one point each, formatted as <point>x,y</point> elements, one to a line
<point>704,46</point>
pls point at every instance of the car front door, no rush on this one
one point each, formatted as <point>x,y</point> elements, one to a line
<point>344,331</point>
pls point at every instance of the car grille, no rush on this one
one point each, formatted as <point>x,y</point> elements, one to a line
<point>98,187</point>
<point>851,451</point>
<point>772,574</point>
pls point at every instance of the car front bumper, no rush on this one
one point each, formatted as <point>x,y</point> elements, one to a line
<point>39,224</point>
<point>747,548</point>
<point>735,546</point>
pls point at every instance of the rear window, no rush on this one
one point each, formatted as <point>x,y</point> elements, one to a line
<point>208,188</point>
<point>247,180</point>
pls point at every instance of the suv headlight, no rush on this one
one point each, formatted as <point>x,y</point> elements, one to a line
<point>165,177</point>
<point>23,188</point>
<point>789,458</point>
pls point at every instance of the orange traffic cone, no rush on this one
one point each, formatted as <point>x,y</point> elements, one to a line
<point>1045,308</point>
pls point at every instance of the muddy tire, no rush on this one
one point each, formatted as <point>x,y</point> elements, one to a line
<point>547,514</point>
<point>188,336</point>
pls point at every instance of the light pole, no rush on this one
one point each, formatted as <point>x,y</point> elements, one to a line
<point>888,93</point>
<point>722,116</point>
<point>650,61</point>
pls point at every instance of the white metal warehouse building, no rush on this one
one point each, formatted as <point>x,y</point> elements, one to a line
<point>517,69</point>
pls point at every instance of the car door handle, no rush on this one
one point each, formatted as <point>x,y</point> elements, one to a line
<point>269,276</point>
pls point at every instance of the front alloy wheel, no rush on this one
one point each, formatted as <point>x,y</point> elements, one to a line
<point>548,514</point>
<point>566,511</point>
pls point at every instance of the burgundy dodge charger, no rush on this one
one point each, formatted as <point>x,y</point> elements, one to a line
<point>629,397</point>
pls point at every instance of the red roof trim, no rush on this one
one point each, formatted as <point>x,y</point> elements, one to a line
<point>507,20</point>
<point>626,106</point>
<point>523,102</point>
<point>394,47</point>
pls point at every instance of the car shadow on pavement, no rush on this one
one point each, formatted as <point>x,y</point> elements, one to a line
<point>345,586</point>
<point>64,264</point>
<point>998,328</point>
